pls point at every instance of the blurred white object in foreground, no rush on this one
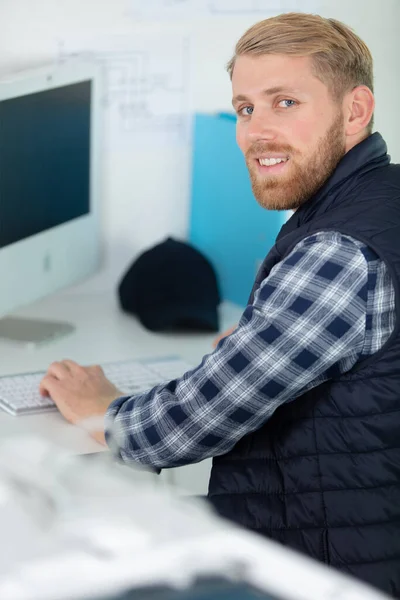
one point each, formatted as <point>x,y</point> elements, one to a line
<point>75,528</point>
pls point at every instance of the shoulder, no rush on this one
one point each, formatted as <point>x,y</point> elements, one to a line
<point>333,244</point>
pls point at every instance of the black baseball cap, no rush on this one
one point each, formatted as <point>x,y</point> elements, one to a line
<point>172,286</point>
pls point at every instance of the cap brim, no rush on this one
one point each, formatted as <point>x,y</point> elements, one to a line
<point>182,319</point>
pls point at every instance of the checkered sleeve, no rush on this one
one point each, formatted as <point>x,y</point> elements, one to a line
<point>305,326</point>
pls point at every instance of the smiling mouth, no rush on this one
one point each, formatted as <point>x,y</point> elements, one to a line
<point>271,165</point>
<point>271,162</point>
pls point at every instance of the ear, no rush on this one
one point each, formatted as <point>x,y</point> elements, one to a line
<point>359,105</point>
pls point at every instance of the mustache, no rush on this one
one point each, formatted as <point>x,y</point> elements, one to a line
<point>262,148</point>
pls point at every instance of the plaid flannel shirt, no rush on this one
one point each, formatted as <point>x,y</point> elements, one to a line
<point>326,306</point>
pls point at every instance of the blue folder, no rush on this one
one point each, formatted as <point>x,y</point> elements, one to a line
<point>226,223</point>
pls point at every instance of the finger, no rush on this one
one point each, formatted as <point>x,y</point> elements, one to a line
<point>43,391</point>
<point>96,369</point>
<point>58,370</point>
<point>72,365</point>
<point>53,387</point>
<point>217,340</point>
<point>47,385</point>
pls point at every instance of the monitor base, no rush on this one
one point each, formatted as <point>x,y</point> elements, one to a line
<point>32,331</point>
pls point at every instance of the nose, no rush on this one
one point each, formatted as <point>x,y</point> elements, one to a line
<point>261,127</point>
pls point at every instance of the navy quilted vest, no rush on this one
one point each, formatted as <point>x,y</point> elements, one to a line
<point>323,474</point>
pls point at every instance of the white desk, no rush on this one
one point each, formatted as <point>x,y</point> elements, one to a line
<point>103,333</point>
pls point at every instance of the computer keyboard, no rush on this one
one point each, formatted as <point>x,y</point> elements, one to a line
<point>19,394</point>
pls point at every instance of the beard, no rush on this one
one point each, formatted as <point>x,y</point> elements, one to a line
<point>290,191</point>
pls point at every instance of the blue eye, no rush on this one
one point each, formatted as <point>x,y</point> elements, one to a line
<point>248,111</point>
<point>292,103</point>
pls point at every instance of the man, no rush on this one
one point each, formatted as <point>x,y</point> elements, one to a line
<point>300,405</point>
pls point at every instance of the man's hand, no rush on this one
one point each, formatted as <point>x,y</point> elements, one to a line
<point>79,392</point>
<point>223,335</point>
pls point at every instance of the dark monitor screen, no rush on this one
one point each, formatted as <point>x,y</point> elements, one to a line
<point>44,160</point>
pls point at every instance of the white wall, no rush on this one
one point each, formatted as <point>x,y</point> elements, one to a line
<point>146,181</point>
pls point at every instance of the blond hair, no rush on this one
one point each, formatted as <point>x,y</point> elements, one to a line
<point>340,59</point>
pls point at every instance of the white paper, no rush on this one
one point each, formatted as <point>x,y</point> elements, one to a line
<point>160,10</point>
<point>263,7</point>
<point>146,95</point>
<point>172,10</point>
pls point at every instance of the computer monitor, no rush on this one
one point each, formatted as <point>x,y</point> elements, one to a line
<point>49,187</point>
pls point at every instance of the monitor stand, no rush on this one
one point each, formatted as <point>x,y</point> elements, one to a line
<point>32,331</point>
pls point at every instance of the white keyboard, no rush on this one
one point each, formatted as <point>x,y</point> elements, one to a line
<point>19,394</point>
